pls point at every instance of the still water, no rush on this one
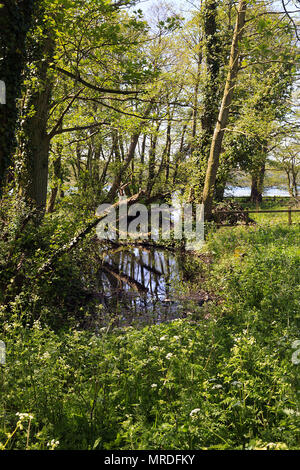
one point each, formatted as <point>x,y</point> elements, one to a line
<point>235,191</point>
<point>141,286</point>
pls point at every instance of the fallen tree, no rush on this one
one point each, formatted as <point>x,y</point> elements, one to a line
<point>68,247</point>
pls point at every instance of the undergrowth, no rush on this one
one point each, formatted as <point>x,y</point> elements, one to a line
<point>225,379</point>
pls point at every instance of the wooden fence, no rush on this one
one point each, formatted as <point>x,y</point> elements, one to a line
<point>246,213</point>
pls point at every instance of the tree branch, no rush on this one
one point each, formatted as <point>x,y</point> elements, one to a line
<point>94,87</point>
<point>80,128</point>
<point>53,132</point>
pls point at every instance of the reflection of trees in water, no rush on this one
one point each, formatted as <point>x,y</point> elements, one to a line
<point>137,284</point>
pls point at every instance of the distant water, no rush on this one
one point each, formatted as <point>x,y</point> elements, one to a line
<point>235,191</point>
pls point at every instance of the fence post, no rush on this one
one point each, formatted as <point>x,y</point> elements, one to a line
<point>247,216</point>
<point>290,215</point>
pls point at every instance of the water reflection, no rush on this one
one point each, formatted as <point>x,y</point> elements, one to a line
<point>142,286</point>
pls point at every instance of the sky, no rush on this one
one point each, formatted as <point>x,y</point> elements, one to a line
<point>185,5</point>
<point>145,5</point>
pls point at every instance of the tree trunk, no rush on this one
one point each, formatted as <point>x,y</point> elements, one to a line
<point>166,154</point>
<point>179,154</point>
<point>35,142</point>
<point>213,63</point>
<point>256,189</point>
<point>151,161</point>
<point>15,21</point>
<point>220,190</point>
<point>196,100</point>
<point>142,160</point>
<point>257,184</point>
<point>216,145</point>
<point>57,180</point>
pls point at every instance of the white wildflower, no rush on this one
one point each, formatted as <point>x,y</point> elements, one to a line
<point>194,412</point>
<point>46,355</point>
<point>217,387</point>
<point>23,416</point>
<point>52,444</point>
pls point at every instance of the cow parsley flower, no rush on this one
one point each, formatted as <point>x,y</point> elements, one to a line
<point>194,412</point>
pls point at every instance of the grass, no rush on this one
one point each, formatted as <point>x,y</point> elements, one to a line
<point>227,378</point>
<point>273,218</point>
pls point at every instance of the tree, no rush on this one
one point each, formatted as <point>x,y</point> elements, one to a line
<point>216,145</point>
<point>287,158</point>
<point>261,99</point>
<point>53,54</point>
